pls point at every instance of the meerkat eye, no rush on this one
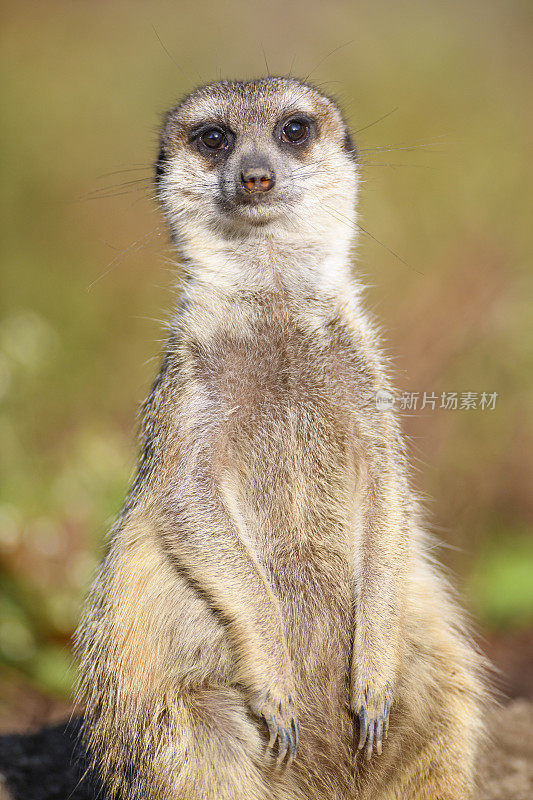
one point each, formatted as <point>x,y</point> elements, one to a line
<point>214,139</point>
<point>295,131</point>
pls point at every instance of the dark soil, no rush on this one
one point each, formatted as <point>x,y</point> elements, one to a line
<point>506,772</point>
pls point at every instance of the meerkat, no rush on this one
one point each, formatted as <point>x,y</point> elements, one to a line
<point>268,621</point>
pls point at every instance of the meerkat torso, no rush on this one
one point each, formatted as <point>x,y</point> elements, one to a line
<point>266,605</point>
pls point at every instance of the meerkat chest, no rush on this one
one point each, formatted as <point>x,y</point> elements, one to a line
<point>283,390</point>
<point>279,371</point>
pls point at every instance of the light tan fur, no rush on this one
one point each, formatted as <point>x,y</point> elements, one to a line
<point>269,565</point>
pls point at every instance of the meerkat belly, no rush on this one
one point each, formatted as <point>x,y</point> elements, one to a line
<point>295,498</point>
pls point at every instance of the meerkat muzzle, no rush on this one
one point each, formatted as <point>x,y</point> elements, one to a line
<point>257,179</point>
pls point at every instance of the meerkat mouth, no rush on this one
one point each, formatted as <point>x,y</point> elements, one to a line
<point>255,210</point>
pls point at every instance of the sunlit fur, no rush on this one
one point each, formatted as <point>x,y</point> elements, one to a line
<point>270,547</point>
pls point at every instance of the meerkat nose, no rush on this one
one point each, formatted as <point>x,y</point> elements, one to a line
<point>257,179</point>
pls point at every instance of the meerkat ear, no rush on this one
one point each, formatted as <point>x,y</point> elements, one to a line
<point>164,139</point>
<point>349,145</point>
<point>159,165</point>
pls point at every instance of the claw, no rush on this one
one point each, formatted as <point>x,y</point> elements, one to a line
<point>273,731</point>
<point>386,719</point>
<point>283,744</point>
<point>370,741</point>
<point>379,735</point>
<point>293,740</point>
<point>279,717</point>
<point>363,727</point>
<point>296,728</point>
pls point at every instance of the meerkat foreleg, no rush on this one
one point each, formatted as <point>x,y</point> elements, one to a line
<point>378,607</point>
<point>230,577</point>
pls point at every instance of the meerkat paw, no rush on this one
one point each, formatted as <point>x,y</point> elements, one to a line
<point>277,710</point>
<point>371,702</point>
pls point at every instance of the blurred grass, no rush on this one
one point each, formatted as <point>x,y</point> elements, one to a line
<point>448,188</point>
<point>501,585</point>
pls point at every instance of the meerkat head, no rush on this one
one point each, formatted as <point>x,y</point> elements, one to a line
<point>266,157</point>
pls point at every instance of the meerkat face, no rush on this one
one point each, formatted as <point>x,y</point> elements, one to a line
<point>262,154</point>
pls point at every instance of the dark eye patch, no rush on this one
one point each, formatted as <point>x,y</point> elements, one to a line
<point>294,132</point>
<point>212,139</point>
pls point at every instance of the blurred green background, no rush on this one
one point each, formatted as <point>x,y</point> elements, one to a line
<point>87,275</point>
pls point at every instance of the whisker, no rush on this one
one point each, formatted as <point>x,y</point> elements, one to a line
<point>266,62</point>
<point>393,164</point>
<point>165,48</point>
<point>137,245</point>
<point>120,171</point>
<point>379,119</point>
<point>292,65</point>
<point>336,214</point>
<point>108,195</point>
<point>106,191</point>
<point>421,144</point>
<point>332,52</point>
<point>389,249</point>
